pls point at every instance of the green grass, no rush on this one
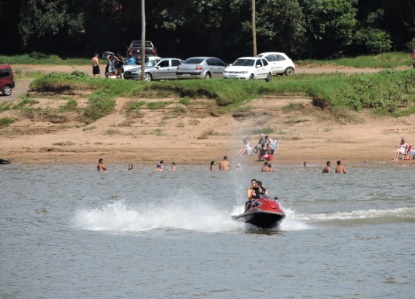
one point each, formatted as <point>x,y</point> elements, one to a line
<point>6,121</point>
<point>386,92</point>
<point>384,60</point>
<point>40,58</point>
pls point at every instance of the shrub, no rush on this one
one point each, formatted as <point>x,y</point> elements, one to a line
<point>6,121</point>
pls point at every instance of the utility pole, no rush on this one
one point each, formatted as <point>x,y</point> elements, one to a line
<point>254,50</point>
<point>143,39</point>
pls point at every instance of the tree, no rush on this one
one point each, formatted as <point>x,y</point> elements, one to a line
<point>330,25</point>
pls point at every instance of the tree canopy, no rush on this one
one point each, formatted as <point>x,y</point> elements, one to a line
<point>301,28</point>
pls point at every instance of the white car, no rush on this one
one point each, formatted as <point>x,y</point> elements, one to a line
<point>249,68</point>
<point>280,63</point>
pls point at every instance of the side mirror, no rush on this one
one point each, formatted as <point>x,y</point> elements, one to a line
<point>258,66</point>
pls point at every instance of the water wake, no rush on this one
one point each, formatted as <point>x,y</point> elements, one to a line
<point>121,217</point>
<point>406,214</point>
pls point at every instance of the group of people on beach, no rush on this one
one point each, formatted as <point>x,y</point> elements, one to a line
<point>114,67</point>
<point>264,148</point>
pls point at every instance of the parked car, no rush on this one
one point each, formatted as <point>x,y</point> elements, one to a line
<point>6,79</point>
<point>135,50</point>
<point>156,69</point>
<point>280,63</point>
<point>153,59</point>
<point>201,67</point>
<point>249,68</point>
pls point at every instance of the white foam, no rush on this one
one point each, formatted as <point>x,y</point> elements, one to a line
<point>119,216</point>
<point>360,214</point>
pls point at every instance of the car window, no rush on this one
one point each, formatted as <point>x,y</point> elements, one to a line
<point>4,73</point>
<point>175,62</point>
<point>211,61</point>
<point>280,58</point>
<point>244,62</point>
<point>152,62</point>
<point>163,63</point>
<point>258,62</point>
<point>264,62</point>
<point>194,61</point>
<point>271,57</point>
<point>219,62</point>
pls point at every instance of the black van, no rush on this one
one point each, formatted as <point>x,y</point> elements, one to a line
<point>6,79</point>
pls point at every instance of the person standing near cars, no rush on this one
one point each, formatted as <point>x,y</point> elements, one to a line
<point>95,65</point>
<point>130,60</point>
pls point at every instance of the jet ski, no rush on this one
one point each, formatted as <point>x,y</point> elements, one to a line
<point>264,212</point>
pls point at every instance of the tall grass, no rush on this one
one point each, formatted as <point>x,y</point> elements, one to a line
<point>40,58</point>
<point>384,60</point>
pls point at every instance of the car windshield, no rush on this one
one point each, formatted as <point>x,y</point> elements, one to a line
<point>244,62</point>
<point>194,61</point>
<point>152,62</point>
<point>137,44</point>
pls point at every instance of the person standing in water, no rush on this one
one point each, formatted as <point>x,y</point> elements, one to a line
<point>224,165</point>
<point>327,168</point>
<point>101,166</point>
<point>340,168</point>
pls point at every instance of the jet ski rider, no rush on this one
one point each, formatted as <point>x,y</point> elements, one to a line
<point>254,192</point>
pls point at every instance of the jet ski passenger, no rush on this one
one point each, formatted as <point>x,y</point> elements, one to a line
<point>261,191</point>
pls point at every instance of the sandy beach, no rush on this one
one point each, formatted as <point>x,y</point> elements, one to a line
<point>201,135</point>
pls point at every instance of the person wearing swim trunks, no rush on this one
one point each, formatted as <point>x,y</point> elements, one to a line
<point>95,66</point>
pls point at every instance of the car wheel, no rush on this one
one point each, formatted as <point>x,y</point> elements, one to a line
<point>148,77</point>
<point>251,77</point>
<point>207,76</point>
<point>269,77</point>
<point>7,90</point>
<point>289,71</point>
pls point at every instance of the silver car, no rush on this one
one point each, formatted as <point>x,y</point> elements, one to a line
<point>280,63</point>
<point>155,69</point>
<point>201,67</point>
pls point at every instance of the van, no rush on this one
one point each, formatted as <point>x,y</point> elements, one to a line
<point>6,79</point>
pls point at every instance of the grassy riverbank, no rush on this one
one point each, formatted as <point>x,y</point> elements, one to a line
<point>384,60</point>
<point>385,92</point>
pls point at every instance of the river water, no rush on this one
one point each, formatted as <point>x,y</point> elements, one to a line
<point>71,232</point>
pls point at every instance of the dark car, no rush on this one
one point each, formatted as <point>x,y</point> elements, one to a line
<point>201,67</point>
<point>134,49</point>
<point>6,79</point>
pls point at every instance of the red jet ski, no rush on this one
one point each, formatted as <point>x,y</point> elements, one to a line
<point>263,213</point>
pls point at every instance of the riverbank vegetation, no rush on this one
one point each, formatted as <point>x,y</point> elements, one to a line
<point>382,60</point>
<point>388,92</point>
